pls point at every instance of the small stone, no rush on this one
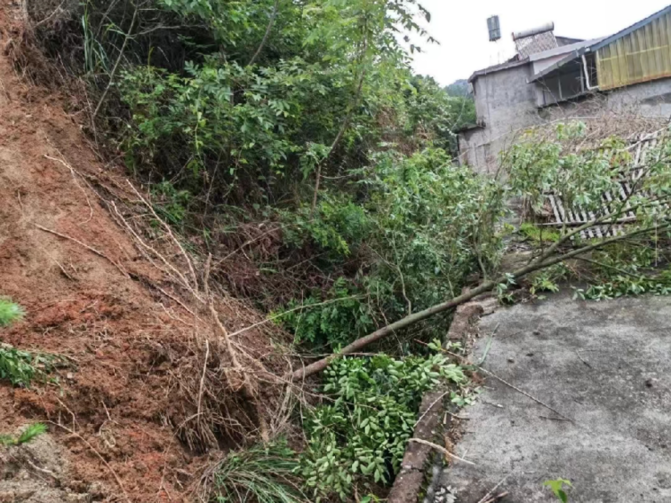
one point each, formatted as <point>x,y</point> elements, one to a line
<point>649,382</point>
<point>530,354</point>
<point>511,360</point>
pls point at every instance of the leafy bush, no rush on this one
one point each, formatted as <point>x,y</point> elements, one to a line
<point>338,226</point>
<point>17,366</point>
<point>174,203</point>
<point>361,432</point>
<point>426,225</point>
<point>436,113</point>
<point>10,312</point>
<point>537,166</point>
<point>620,285</point>
<point>22,367</point>
<point>436,222</point>
<point>339,321</point>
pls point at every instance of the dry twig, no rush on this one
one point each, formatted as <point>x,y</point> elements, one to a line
<point>491,491</point>
<point>497,497</point>
<point>74,177</point>
<point>202,378</point>
<point>441,449</point>
<point>174,239</point>
<point>247,388</point>
<point>526,394</point>
<point>91,249</point>
<point>429,408</point>
<point>93,449</point>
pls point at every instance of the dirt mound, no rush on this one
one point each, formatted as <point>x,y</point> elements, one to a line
<point>37,472</point>
<point>107,287</point>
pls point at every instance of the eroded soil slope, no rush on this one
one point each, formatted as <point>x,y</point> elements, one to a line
<point>92,296</point>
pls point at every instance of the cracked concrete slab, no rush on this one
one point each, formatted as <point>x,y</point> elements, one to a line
<point>604,365</point>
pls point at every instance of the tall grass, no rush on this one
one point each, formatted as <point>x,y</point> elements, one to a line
<point>10,312</point>
<point>261,474</point>
<point>34,430</point>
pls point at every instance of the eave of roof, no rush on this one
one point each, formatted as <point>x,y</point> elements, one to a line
<point>497,68</point>
<point>608,40</point>
<point>532,57</point>
<point>563,49</point>
<point>574,51</point>
<point>595,45</point>
<point>471,127</point>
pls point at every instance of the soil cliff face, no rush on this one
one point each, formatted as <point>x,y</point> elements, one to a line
<point>94,296</point>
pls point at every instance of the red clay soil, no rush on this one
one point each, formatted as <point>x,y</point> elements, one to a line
<point>117,395</point>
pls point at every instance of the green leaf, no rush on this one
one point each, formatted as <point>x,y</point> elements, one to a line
<point>556,486</point>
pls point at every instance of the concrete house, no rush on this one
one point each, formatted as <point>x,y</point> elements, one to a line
<point>554,77</point>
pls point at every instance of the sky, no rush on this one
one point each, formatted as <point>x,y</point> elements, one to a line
<point>461,28</point>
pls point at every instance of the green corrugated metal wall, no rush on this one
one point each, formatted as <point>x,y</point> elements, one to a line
<point>643,55</point>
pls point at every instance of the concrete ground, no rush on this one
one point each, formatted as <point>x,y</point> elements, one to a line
<point>604,365</point>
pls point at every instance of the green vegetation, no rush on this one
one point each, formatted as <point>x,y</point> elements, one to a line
<point>304,116</point>
<point>634,268</point>
<point>414,243</point>
<point>557,488</point>
<point>463,104</point>
<point>359,434</point>
<point>539,234</point>
<point>32,431</point>
<point>260,474</point>
<point>17,366</point>
<point>22,367</point>
<point>10,312</point>
<point>635,264</point>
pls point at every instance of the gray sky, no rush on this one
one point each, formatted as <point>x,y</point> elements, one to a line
<point>461,28</point>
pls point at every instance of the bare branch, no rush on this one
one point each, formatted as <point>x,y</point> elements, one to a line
<point>269,28</point>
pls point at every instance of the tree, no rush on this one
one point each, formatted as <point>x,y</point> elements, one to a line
<point>540,164</point>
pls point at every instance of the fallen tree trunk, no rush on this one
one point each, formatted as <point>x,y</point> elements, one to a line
<point>542,262</point>
<point>320,365</point>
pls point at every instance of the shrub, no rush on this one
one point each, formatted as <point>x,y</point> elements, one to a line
<point>338,226</point>
<point>424,228</point>
<point>360,433</point>
<point>435,223</point>
<point>337,321</point>
<point>22,367</point>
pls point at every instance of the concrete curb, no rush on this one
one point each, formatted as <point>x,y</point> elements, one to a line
<point>418,457</point>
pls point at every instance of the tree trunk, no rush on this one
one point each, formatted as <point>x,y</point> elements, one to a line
<point>542,263</point>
